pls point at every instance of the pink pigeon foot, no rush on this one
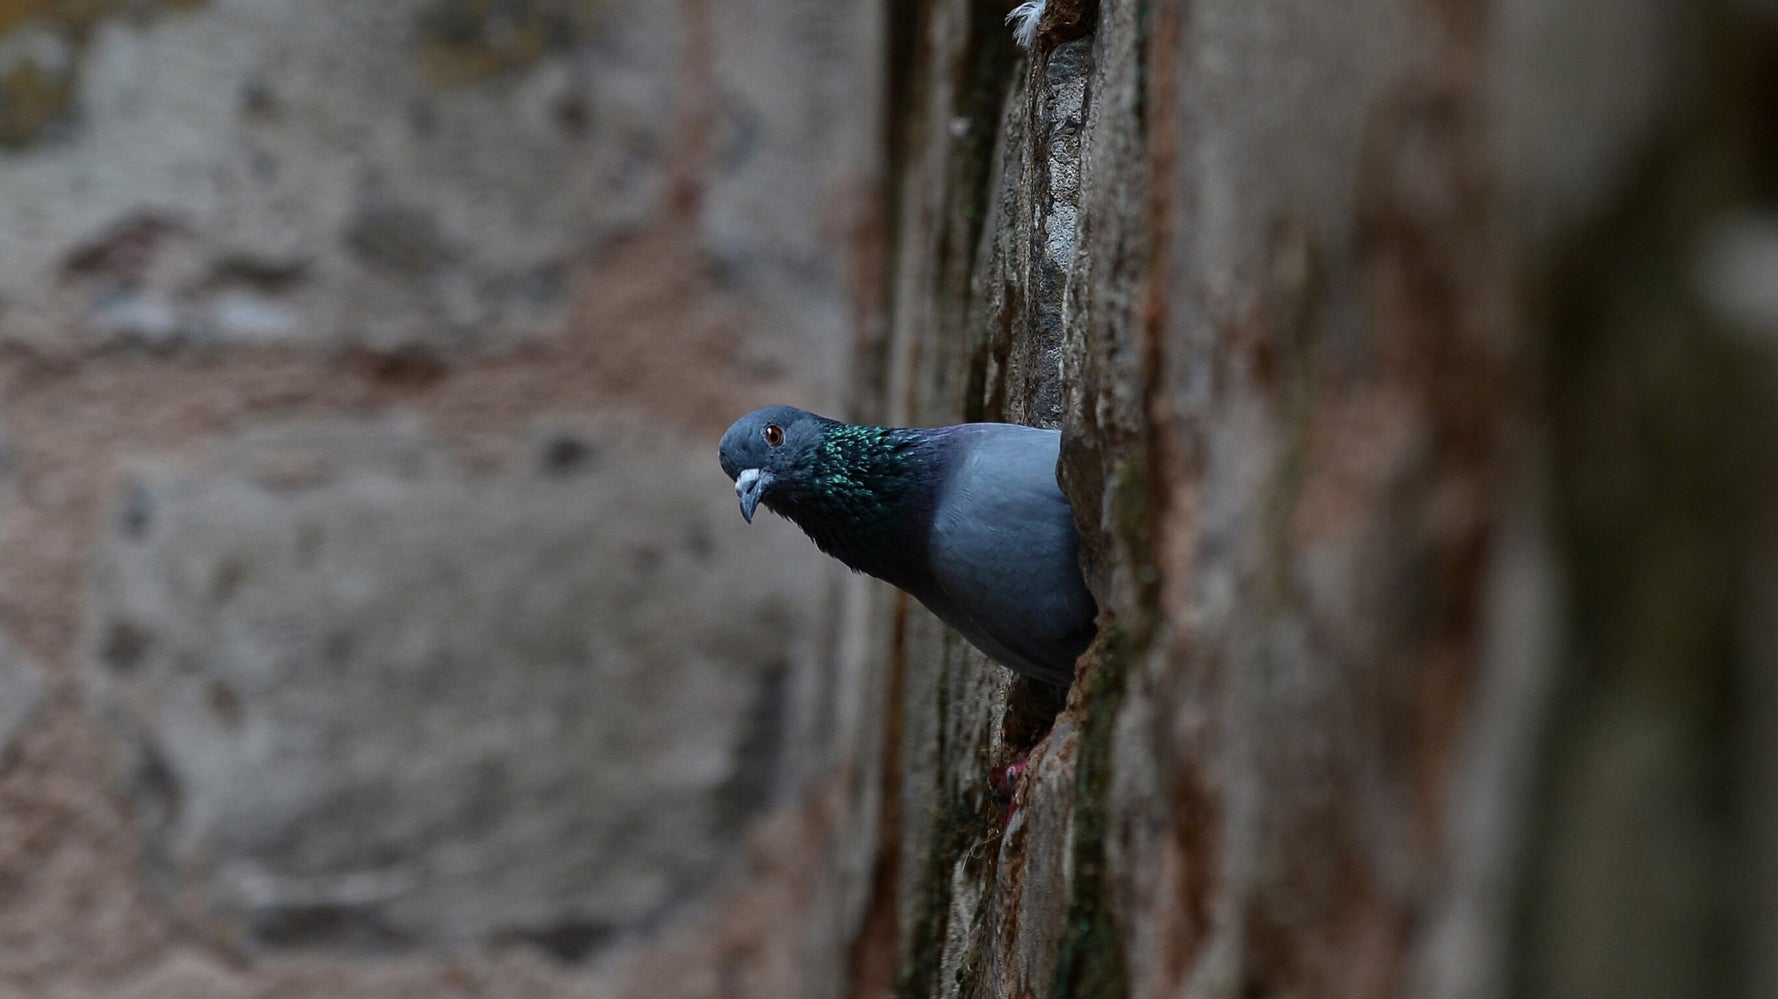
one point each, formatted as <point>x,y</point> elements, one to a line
<point>1003,783</point>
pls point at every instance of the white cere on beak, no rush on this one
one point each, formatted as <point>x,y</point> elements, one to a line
<point>745,480</point>
<point>750,485</point>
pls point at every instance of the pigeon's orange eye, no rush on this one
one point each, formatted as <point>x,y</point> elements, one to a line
<point>774,434</point>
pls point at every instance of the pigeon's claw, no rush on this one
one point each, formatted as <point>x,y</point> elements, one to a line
<point>1003,782</point>
<point>750,485</point>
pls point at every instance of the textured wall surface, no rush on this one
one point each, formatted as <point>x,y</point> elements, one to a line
<point>570,758</point>
<point>1422,453</point>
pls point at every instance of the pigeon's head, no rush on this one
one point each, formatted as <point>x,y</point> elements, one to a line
<point>767,449</point>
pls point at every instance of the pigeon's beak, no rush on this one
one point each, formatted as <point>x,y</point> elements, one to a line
<point>750,485</point>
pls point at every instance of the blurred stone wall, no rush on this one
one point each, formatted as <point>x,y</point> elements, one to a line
<point>373,616</point>
<point>1416,369</point>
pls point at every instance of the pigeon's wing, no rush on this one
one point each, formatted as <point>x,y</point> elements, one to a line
<point>1003,552</point>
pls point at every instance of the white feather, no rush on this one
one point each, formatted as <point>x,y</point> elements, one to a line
<point>1024,20</point>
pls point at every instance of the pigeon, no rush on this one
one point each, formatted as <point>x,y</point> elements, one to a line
<point>967,519</point>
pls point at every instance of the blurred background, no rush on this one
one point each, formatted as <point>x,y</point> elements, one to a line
<point>376,621</point>
<point>369,587</point>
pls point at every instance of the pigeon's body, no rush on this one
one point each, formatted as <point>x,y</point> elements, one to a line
<point>968,519</point>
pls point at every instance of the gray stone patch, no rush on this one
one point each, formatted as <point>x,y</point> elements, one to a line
<point>21,697</point>
<point>418,175</point>
<point>366,700</point>
<point>21,685</point>
<point>322,175</point>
